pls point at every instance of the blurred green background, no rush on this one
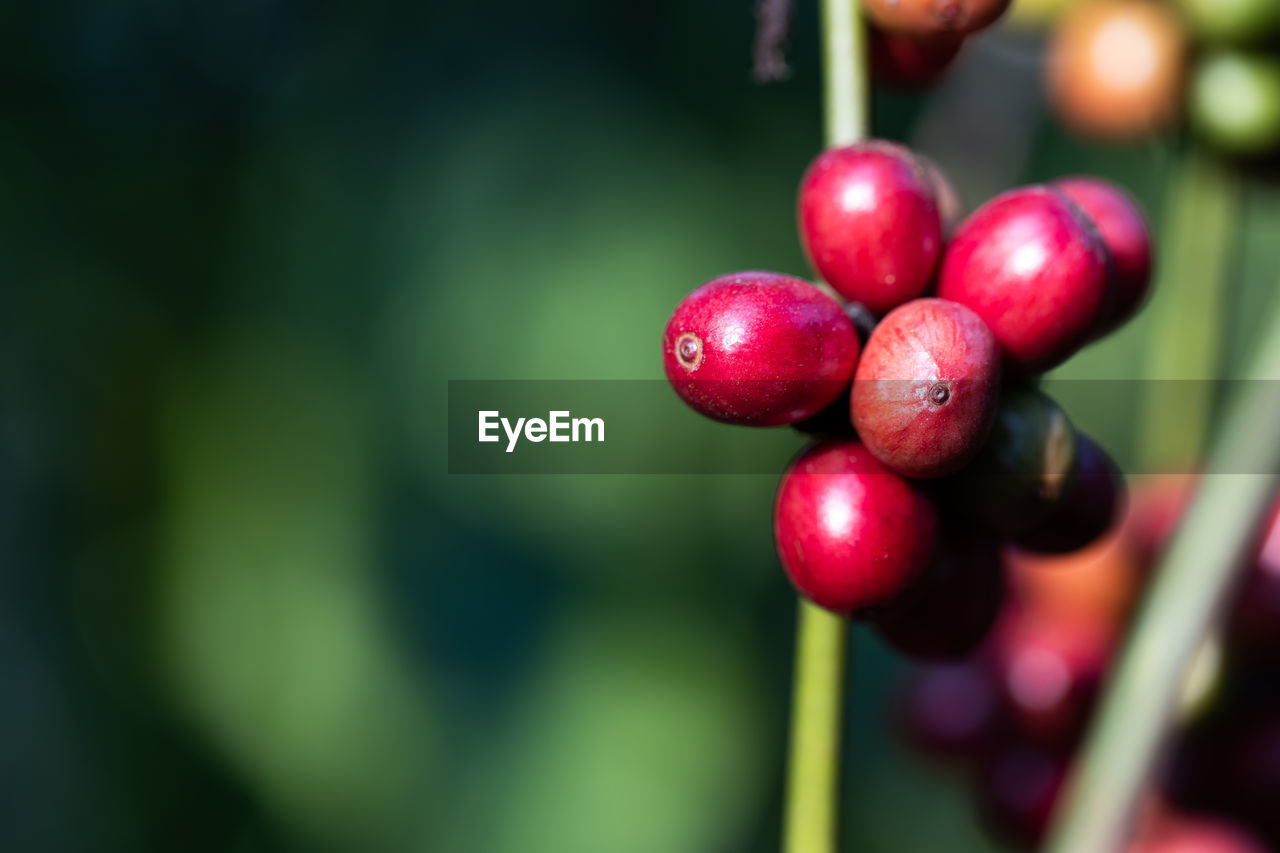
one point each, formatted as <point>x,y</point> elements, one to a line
<point>244,246</point>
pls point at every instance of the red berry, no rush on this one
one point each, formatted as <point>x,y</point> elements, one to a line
<point>947,710</point>
<point>1050,667</point>
<point>852,535</point>
<point>1125,234</point>
<point>1032,266</point>
<point>926,389</point>
<point>1092,503</point>
<point>931,17</point>
<point>911,62</point>
<point>869,223</point>
<point>759,348</point>
<point>949,612</point>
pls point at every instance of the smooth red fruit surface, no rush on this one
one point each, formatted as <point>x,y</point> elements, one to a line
<point>1127,238</point>
<point>1090,507</point>
<point>932,17</point>
<point>869,223</point>
<point>1018,788</point>
<point>1051,668</point>
<point>759,348</point>
<point>926,388</point>
<point>911,62</point>
<point>947,710</point>
<point>1032,266</point>
<point>949,612</point>
<point>852,535</point>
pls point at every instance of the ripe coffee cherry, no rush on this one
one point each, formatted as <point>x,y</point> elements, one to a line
<point>1127,239</point>
<point>1235,102</point>
<point>932,17</point>
<point>926,388</point>
<point>1018,787</point>
<point>911,62</point>
<point>759,348</point>
<point>1050,669</point>
<point>1089,508</point>
<point>1115,68</point>
<point>1025,467</point>
<point>852,535</point>
<point>948,614</point>
<point>869,223</point>
<point>1032,266</point>
<point>948,710</point>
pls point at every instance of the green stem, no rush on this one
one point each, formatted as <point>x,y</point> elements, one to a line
<point>813,777</point>
<point>1190,589</point>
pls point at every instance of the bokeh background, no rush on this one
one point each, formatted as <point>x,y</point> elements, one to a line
<point>245,245</point>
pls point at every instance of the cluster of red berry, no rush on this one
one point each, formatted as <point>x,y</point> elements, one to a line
<point>1011,715</point>
<point>937,445</point>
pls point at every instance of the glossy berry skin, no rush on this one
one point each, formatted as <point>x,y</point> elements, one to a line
<point>1127,238</point>
<point>1092,504</point>
<point>926,388</point>
<point>934,17</point>
<point>948,614</point>
<point>869,223</point>
<point>1024,470</point>
<point>852,535</point>
<point>1032,266</point>
<point>911,62</point>
<point>759,348</point>
<point>1116,68</point>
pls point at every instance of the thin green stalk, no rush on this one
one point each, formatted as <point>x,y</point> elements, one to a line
<point>1192,585</point>
<point>810,821</point>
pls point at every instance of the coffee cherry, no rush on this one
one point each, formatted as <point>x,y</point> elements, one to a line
<point>1032,266</point>
<point>926,388</point>
<point>954,605</point>
<point>1235,102</point>
<point>869,223</point>
<point>1050,669</point>
<point>1115,68</point>
<point>1127,238</point>
<point>852,535</point>
<point>759,348</point>
<point>1089,508</point>
<point>947,710</point>
<point>1102,581</point>
<point>1018,788</point>
<point>1023,470</point>
<point>934,17</point>
<point>911,62</point>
